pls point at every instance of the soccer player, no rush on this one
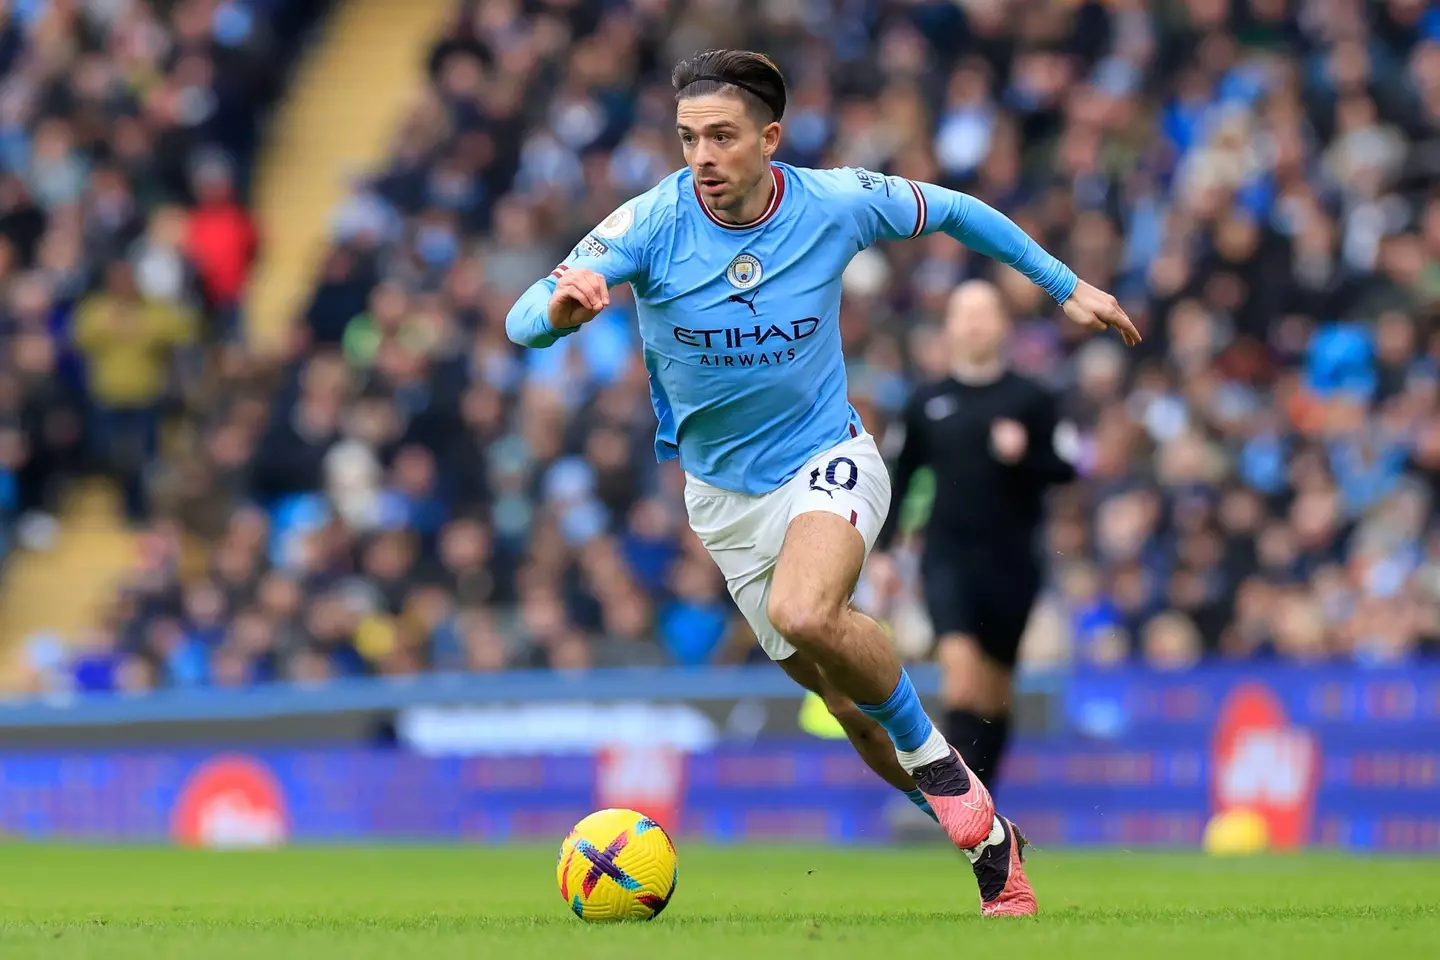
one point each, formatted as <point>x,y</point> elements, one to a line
<point>735,264</point>
<point>993,439</point>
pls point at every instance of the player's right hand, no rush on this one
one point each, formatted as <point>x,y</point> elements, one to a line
<point>579,295</point>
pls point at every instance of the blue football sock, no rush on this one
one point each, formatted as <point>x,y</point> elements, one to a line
<point>918,798</point>
<point>902,716</point>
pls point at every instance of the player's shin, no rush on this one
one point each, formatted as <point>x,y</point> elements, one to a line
<point>961,803</point>
<point>874,746</point>
<point>917,741</point>
<point>867,737</point>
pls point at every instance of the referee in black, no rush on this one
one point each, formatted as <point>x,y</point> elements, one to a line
<point>989,435</point>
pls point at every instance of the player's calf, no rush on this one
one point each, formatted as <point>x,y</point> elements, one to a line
<point>868,738</point>
<point>875,747</point>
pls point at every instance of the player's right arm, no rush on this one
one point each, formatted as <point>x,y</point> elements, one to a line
<point>578,289</point>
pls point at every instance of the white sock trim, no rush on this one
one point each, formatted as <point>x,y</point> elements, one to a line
<point>935,747</point>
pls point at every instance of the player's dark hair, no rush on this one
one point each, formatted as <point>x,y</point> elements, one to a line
<point>751,76</point>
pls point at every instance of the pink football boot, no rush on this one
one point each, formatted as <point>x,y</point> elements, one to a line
<point>960,801</point>
<point>998,862</point>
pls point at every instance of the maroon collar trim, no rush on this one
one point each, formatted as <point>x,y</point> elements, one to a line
<point>770,210</point>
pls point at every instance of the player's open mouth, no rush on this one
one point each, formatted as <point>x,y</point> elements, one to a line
<point>711,185</point>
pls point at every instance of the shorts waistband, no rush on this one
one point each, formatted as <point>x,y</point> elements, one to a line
<point>699,487</point>
<point>695,485</point>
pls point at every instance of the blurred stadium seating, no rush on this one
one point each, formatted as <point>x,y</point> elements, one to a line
<point>377,482</point>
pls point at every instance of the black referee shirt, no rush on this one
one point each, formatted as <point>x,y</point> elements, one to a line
<point>981,503</point>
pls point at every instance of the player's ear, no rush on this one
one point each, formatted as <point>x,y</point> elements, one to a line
<point>770,138</point>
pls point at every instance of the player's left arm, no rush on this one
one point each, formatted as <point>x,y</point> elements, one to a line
<point>894,208</point>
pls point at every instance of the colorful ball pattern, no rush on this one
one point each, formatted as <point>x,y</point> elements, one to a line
<point>617,865</point>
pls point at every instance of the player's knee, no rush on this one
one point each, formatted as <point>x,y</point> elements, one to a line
<point>803,621</point>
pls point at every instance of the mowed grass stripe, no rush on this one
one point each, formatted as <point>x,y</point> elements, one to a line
<point>750,902</point>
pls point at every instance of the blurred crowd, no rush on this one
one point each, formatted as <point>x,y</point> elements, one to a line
<point>408,491</point>
<point>126,134</point>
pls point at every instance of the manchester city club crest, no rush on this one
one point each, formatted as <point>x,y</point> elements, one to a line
<point>744,271</point>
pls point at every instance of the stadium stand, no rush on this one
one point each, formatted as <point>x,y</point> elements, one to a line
<point>404,491</point>
<point>130,132</point>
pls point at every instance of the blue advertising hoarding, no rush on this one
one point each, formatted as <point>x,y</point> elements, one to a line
<point>1338,758</point>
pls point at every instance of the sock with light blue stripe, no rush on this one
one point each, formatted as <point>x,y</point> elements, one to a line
<point>916,740</point>
<point>918,798</point>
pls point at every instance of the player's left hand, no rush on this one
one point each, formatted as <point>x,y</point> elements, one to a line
<point>1008,440</point>
<point>1095,309</point>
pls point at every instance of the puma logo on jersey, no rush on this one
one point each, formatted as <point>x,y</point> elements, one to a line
<point>737,298</point>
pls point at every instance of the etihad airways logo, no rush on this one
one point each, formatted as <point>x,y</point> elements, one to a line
<point>763,345</point>
<point>754,335</point>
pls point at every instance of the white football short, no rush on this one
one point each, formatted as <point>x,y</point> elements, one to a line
<point>744,532</point>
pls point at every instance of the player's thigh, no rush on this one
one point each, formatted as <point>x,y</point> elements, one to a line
<point>816,573</point>
<point>838,504</point>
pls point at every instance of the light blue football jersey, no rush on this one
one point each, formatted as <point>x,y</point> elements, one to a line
<point>740,323</point>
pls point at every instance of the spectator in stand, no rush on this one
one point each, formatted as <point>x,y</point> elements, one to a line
<point>51,421</point>
<point>222,243</point>
<point>291,457</point>
<point>128,343</point>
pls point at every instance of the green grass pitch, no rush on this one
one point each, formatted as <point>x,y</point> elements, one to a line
<point>748,903</point>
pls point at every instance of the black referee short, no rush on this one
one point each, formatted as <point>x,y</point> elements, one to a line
<point>985,595</point>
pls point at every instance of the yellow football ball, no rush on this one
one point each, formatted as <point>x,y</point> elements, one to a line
<point>1236,833</point>
<point>617,865</point>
